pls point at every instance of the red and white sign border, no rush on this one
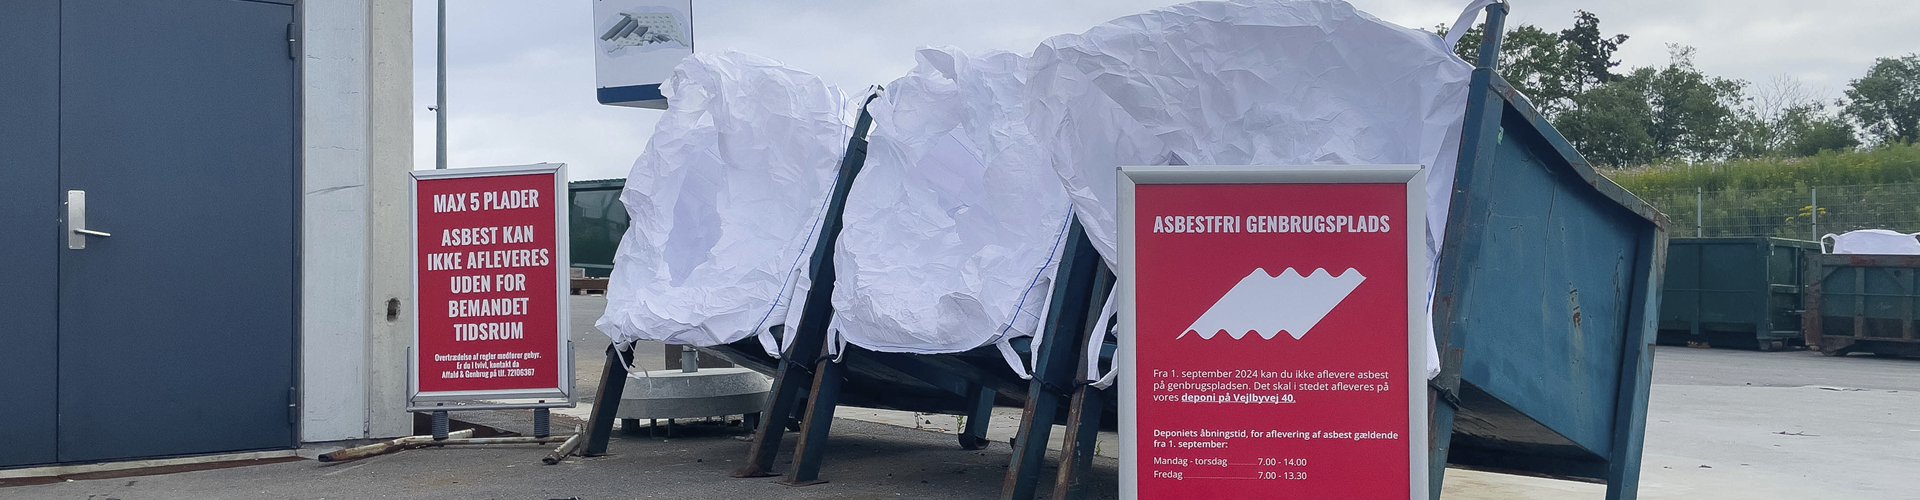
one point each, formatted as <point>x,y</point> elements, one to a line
<point>1412,176</point>
<point>561,394</point>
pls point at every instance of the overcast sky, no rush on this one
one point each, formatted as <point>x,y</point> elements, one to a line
<point>521,85</point>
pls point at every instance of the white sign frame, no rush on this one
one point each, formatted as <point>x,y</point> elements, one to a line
<point>1412,176</point>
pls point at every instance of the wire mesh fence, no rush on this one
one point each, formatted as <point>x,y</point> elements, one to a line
<point>1801,212</point>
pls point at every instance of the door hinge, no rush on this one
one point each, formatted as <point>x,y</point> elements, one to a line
<point>293,405</point>
<point>293,49</point>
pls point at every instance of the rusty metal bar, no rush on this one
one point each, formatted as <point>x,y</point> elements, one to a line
<point>393,445</point>
<point>1814,275</point>
<point>606,403</point>
<point>1083,419</point>
<point>507,440</point>
<point>1856,260</point>
<point>1083,432</point>
<point>789,386</point>
<point>1081,280</point>
<point>828,375</point>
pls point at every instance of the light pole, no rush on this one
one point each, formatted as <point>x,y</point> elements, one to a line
<point>440,95</point>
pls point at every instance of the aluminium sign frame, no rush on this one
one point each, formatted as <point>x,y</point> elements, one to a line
<point>561,393</point>
<point>1413,177</point>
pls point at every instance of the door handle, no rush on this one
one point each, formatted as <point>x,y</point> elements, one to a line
<point>77,231</point>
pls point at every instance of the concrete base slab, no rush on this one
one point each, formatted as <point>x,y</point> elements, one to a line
<point>709,392</point>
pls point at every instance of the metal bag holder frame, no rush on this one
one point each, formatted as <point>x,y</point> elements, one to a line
<point>809,383</point>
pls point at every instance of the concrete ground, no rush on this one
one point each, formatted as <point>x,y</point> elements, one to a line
<point>1725,424</point>
<point>866,461</point>
<point>1722,425</point>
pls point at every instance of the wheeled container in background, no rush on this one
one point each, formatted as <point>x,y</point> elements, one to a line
<point>1734,292</point>
<point>597,220</point>
<point>1862,303</point>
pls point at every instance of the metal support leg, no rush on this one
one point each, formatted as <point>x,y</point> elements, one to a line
<point>1082,282</point>
<point>1442,402</point>
<point>542,422</point>
<point>606,403</point>
<point>813,429</point>
<point>792,379</point>
<point>1083,433</point>
<point>974,437</point>
<point>789,386</point>
<point>1439,440</point>
<point>440,425</point>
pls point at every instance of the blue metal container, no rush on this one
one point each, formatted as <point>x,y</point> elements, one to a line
<point>1733,292</point>
<point>1547,301</point>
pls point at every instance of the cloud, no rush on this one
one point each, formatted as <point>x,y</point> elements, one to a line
<point>521,85</point>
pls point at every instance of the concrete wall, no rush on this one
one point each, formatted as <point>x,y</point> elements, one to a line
<point>357,146</point>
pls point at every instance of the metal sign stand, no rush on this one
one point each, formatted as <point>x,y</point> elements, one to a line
<point>485,231</point>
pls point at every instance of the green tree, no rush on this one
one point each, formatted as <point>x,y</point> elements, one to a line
<point>1550,68</point>
<point>1609,124</point>
<point>1782,118</point>
<point>1650,113</point>
<point>1538,64</point>
<point>1693,113</point>
<point>1808,129</point>
<point>1886,102</point>
<point>1592,53</point>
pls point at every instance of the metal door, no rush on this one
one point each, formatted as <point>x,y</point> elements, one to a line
<point>176,322</point>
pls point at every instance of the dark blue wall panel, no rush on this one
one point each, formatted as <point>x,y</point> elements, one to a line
<point>29,228</point>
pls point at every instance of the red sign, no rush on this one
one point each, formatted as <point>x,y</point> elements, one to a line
<point>488,264</point>
<point>1271,341</point>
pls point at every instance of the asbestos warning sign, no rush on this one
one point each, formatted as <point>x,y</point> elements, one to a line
<point>490,285</point>
<point>1268,338</point>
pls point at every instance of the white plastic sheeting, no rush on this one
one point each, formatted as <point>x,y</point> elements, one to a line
<point>725,203</point>
<point>1248,82</point>
<point>1875,242</point>
<point>952,229</point>
<point>943,228</point>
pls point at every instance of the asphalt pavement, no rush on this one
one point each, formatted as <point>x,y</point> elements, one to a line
<point>1736,368</point>
<point>865,461</point>
<point>1722,424</point>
